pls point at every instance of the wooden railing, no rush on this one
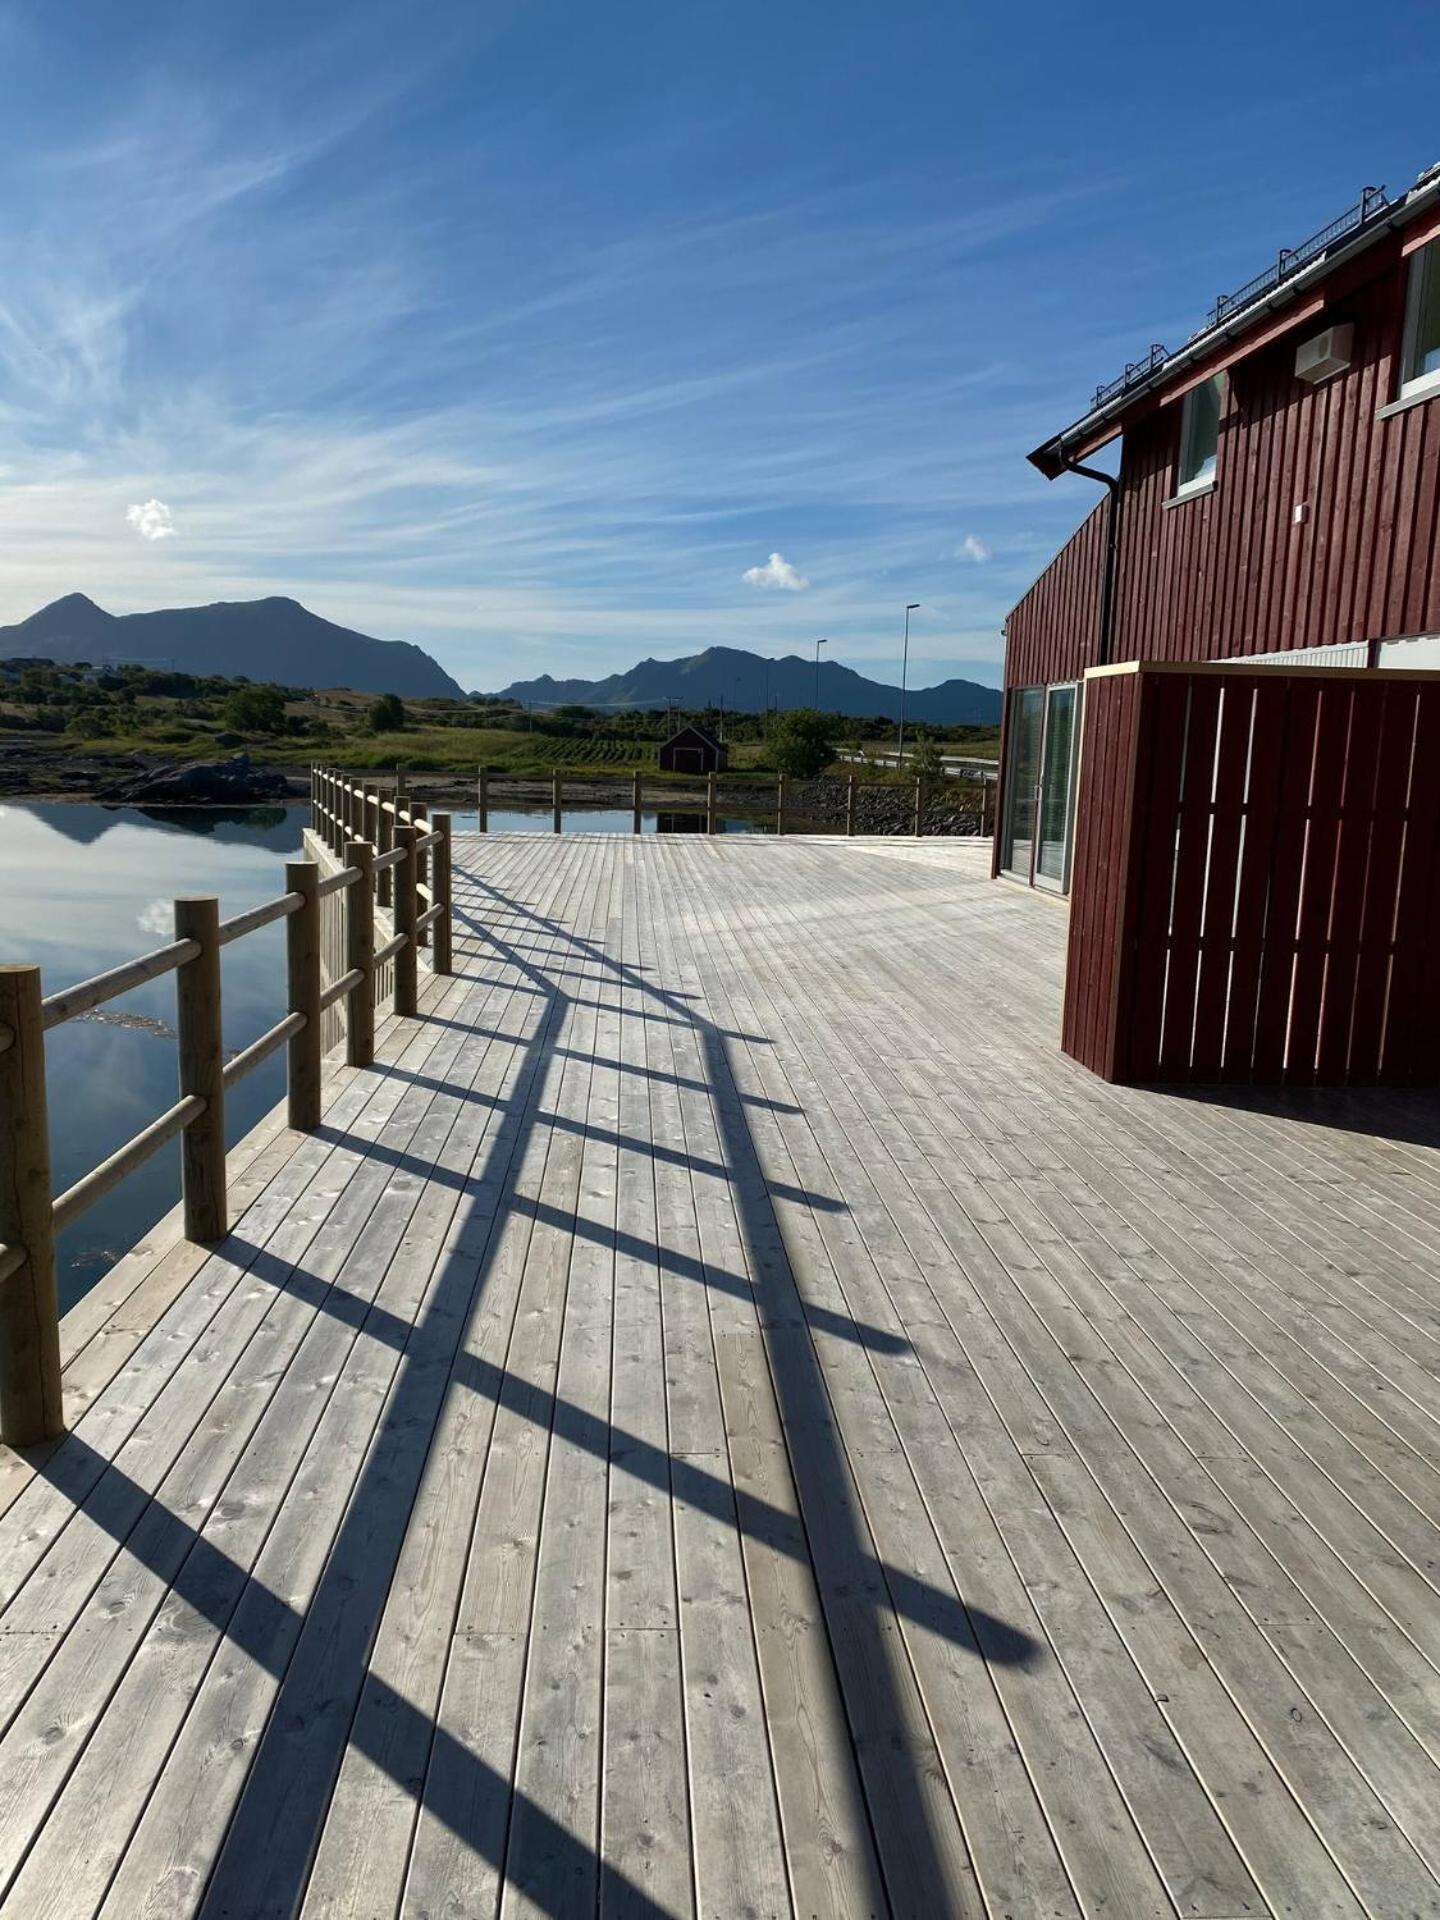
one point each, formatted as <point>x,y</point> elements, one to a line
<point>402,843</point>
<point>773,803</point>
<point>415,865</point>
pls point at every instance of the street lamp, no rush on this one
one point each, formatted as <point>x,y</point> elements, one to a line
<point>913,607</point>
<point>818,645</point>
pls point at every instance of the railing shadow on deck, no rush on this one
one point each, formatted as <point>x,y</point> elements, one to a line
<point>329,1699</point>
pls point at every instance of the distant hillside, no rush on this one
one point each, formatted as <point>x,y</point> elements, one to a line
<point>272,639</point>
<point>740,681</point>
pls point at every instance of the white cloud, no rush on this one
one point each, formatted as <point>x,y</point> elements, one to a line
<point>153,521</point>
<point>158,917</point>
<point>972,547</point>
<point>776,572</point>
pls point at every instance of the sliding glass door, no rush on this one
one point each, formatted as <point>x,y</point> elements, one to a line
<point>1057,788</point>
<point>1040,785</point>
<point>1027,725</point>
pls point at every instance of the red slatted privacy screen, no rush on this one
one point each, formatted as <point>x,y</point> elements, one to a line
<point>1256,890</point>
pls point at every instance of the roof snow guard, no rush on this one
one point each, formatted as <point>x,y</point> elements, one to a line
<point>1372,201</point>
<point>1293,268</point>
<point>1136,373</point>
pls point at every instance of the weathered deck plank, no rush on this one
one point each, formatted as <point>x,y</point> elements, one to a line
<point>725,1419</point>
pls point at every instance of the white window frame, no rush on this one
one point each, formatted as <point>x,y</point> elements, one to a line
<point>1200,482</point>
<point>1423,262</point>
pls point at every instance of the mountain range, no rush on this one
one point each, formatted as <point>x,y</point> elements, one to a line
<point>742,681</point>
<point>275,639</point>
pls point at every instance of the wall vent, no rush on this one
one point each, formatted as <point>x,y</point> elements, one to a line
<point>1326,354</point>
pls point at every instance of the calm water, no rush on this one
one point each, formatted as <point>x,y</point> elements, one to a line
<point>83,888</point>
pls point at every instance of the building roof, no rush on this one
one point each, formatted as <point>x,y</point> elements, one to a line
<point>1236,317</point>
<point>700,733</point>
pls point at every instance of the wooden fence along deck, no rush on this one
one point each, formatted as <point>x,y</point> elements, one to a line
<point>721,1417</point>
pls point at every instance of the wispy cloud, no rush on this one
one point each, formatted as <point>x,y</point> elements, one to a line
<point>152,521</point>
<point>490,447</point>
<point>972,547</point>
<point>776,572</point>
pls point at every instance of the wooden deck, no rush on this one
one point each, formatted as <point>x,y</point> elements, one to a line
<point>725,1419</point>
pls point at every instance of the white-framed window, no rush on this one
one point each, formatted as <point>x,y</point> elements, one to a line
<point>1420,352</point>
<point>1199,435</point>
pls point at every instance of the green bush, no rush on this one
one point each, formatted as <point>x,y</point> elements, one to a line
<point>802,742</point>
<point>925,760</point>
<point>387,715</point>
<point>254,710</point>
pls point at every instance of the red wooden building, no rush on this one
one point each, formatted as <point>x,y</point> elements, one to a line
<point>1277,492</point>
<point>693,750</point>
<point>1222,705</point>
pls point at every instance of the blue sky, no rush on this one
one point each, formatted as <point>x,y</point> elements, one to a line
<point>528,331</point>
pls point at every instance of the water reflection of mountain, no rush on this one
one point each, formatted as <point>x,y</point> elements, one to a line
<point>275,826</point>
<point>84,822</point>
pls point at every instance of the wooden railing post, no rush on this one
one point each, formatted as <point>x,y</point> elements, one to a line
<point>919,807</point>
<point>555,783</point>
<point>780,804</point>
<point>30,1404</point>
<point>370,830</point>
<point>302,970</point>
<point>709,803</point>
<point>482,799</point>
<point>404,915</point>
<point>420,817</point>
<point>637,824</point>
<point>850,792</point>
<point>441,888</point>
<point>202,1068</point>
<point>384,840</point>
<point>360,954</point>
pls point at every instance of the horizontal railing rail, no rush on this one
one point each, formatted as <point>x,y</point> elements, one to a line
<point>31,1406</point>
<point>343,804</point>
<point>86,995</point>
<point>774,803</point>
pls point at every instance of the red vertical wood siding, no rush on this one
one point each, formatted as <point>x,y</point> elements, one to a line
<point>1054,632</point>
<point>1102,895</point>
<point>1254,892</point>
<point>1231,572</point>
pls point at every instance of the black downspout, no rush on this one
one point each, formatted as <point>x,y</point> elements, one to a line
<point>1112,548</point>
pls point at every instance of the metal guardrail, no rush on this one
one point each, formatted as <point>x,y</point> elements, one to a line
<point>1136,372</point>
<point>1372,202</point>
<point>31,1408</point>
<point>1289,260</point>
